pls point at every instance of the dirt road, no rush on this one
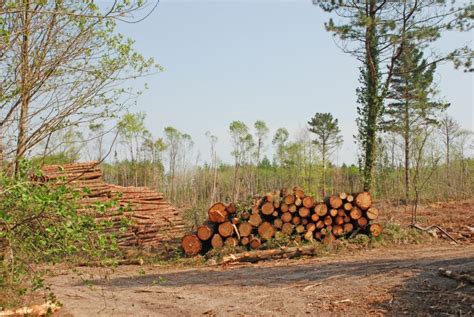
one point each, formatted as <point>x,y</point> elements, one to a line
<point>374,282</point>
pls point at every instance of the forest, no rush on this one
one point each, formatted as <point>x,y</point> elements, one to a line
<point>67,96</point>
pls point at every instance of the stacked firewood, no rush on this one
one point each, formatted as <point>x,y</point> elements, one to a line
<point>295,215</point>
<point>153,221</point>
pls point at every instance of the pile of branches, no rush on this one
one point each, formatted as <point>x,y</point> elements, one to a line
<point>294,215</point>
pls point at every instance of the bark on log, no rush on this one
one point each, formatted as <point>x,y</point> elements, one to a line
<point>256,256</point>
<point>456,276</point>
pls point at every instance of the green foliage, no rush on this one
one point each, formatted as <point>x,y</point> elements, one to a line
<point>40,224</point>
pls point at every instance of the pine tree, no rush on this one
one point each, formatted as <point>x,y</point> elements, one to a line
<point>328,138</point>
<point>410,106</point>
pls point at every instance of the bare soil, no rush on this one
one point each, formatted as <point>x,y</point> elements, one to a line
<point>402,281</point>
<point>392,281</point>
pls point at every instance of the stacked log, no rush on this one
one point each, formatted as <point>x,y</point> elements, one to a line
<point>154,221</point>
<point>295,215</point>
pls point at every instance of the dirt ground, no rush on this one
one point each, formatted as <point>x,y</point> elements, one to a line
<point>393,281</point>
<point>404,281</point>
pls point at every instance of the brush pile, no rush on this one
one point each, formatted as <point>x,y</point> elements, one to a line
<point>154,222</point>
<point>295,215</point>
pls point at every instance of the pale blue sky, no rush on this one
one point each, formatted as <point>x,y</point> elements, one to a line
<point>250,60</point>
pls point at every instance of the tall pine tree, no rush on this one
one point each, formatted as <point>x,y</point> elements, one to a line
<point>410,106</point>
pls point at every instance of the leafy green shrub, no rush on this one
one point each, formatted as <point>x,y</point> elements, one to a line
<point>39,224</point>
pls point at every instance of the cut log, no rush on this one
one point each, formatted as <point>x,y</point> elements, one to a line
<point>300,229</point>
<point>335,201</point>
<point>333,212</point>
<point>321,209</point>
<point>266,230</point>
<point>245,215</point>
<point>348,227</point>
<point>311,227</point>
<point>341,212</point>
<point>362,222</point>
<point>255,243</point>
<point>296,220</point>
<point>343,195</point>
<point>299,192</point>
<point>372,213</point>
<point>328,220</point>
<point>293,209</point>
<point>304,221</point>
<point>191,244</point>
<point>355,213</point>
<point>284,207</point>
<point>462,277</point>
<point>231,242</point>
<point>276,203</point>
<point>205,232</point>
<point>267,208</point>
<point>298,202</point>
<point>338,230</point>
<point>309,236</point>
<point>314,217</point>
<point>363,200</point>
<point>329,238</point>
<point>216,241</point>
<point>320,224</point>
<point>226,229</point>
<point>339,220</point>
<point>217,213</point>
<point>255,220</point>
<point>375,229</point>
<point>245,229</point>
<point>278,223</point>
<point>308,202</point>
<point>231,208</point>
<point>289,199</point>
<point>350,198</point>
<point>303,212</point>
<point>256,256</point>
<point>275,213</point>
<point>347,206</point>
<point>318,235</point>
<point>286,217</point>
<point>245,241</point>
<point>287,228</point>
<point>347,219</point>
<point>235,221</point>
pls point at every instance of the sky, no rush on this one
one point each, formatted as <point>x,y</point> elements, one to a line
<point>257,60</point>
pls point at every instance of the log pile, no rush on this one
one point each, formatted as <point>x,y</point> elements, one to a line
<point>154,221</point>
<point>295,215</point>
